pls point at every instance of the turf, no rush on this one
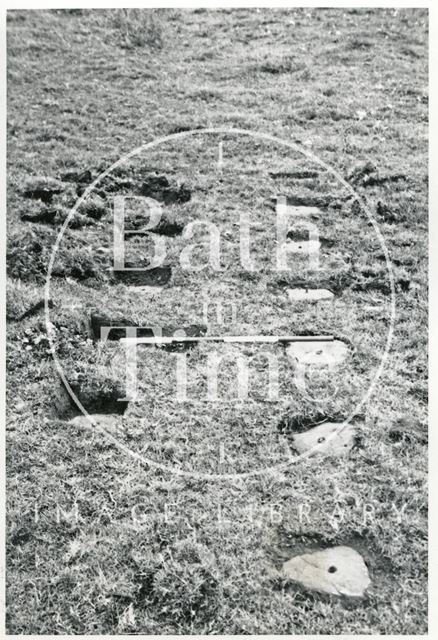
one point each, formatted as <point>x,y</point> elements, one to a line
<point>154,551</point>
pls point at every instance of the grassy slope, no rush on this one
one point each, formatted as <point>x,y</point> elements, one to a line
<point>78,98</point>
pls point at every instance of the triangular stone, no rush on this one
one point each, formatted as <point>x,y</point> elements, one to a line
<point>338,571</point>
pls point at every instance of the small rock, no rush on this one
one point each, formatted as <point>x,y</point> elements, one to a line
<point>20,405</point>
<point>329,438</point>
<point>309,295</point>
<point>339,571</point>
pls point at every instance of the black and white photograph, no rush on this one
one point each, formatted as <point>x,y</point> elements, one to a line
<point>216,299</point>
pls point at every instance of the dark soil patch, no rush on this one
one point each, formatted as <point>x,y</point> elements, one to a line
<point>286,64</point>
<point>399,260</point>
<point>292,543</point>
<point>386,213</point>
<point>109,185</point>
<point>35,308</point>
<point>158,276</point>
<point>165,227</point>
<point>376,180</point>
<point>118,330</point>
<point>20,536</point>
<point>367,175</point>
<point>361,172</point>
<point>84,177</point>
<point>318,201</point>
<point>97,394</point>
<point>29,251</point>
<point>79,266</point>
<point>27,255</point>
<point>303,235</point>
<point>159,188</point>
<point>381,284</point>
<point>408,432</point>
<point>184,127</point>
<point>55,214</point>
<point>297,175</point>
<point>153,186</point>
<point>43,189</point>
<point>301,423</point>
<point>45,215</point>
<point>93,208</point>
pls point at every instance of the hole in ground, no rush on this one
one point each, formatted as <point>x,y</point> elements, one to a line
<point>332,569</point>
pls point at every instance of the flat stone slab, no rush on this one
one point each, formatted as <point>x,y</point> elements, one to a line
<point>329,438</point>
<point>309,295</point>
<point>330,353</point>
<point>339,571</point>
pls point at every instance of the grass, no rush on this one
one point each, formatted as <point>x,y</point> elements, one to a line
<point>151,551</point>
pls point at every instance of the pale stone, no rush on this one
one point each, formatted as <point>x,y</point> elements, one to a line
<point>303,246</point>
<point>329,438</point>
<point>309,295</point>
<point>329,353</point>
<point>339,571</point>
